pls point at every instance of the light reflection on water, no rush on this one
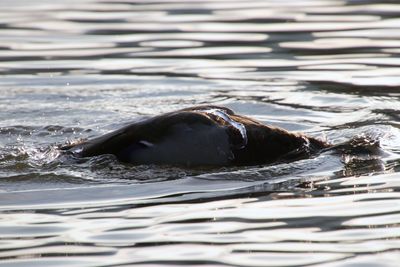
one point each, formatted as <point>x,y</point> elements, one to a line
<point>77,69</point>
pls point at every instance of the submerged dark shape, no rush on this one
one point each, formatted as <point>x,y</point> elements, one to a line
<point>200,136</point>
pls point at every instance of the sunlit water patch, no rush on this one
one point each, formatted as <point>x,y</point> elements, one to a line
<point>73,70</point>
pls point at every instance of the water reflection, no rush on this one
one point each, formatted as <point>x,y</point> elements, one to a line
<point>78,69</point>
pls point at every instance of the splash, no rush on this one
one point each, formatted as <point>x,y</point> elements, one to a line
<point>237,125</point>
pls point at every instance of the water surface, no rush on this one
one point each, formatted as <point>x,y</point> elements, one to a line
<point>78,69</point>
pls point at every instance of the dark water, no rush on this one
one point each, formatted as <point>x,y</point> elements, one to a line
<point>77,69</point>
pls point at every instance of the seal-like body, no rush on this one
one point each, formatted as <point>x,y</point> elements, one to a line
<point>200,136</point>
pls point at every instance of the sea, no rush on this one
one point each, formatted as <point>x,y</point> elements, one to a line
<point>72,70</point>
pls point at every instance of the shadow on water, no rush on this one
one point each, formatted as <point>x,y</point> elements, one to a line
<point>78,69</point>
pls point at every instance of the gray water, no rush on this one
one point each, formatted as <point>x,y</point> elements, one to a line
<point>71,70</point>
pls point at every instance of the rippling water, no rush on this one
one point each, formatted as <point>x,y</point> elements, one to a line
<point>77,69</point>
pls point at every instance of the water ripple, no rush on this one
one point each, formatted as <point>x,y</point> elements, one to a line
<point>72,70</point>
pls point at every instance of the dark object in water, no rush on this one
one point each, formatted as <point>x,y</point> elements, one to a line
<point>200,136</point>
